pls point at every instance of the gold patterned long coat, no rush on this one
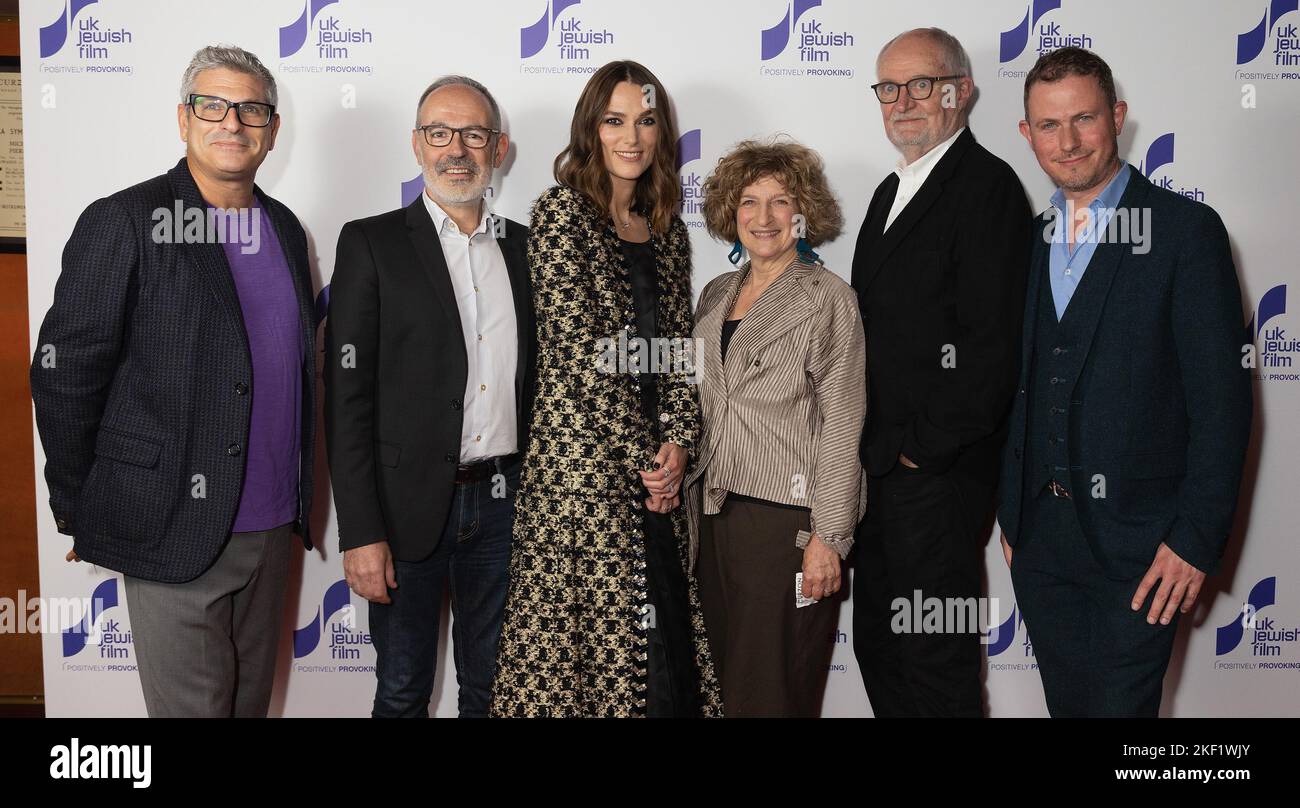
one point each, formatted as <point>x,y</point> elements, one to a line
<point>573,640</point>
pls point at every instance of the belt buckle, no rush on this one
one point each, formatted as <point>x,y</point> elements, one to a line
<point>1059,491</point>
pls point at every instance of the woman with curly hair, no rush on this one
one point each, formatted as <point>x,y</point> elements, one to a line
<point>602,618</point>
<point>777,489</point>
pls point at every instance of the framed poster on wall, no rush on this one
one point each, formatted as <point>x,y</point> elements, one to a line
<point>13,205</point>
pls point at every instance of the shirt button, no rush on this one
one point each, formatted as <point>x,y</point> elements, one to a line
<point>1067,272</point>
<point>480,337</point>
<point>456,404</point>
<point>450,457</point>
<point>478,438</point>
<point>482,387</point>
<point>475,288</point>
<point>233,450</point>
<point>1055,380</point>
<point>241,388</point>
<point>1056,352</point>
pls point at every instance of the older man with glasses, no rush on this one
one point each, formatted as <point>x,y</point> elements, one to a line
<point>174,386</point>
<point>940,272</point>
<point>428,378</point>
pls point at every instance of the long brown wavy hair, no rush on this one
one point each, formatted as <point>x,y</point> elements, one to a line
<point>581,165</point>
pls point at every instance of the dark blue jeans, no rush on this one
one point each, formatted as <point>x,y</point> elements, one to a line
<point>473,556</point>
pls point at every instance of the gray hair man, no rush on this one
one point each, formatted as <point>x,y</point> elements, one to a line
<point>428,377</point>
<point>174,393</point>
<point>939,270</point>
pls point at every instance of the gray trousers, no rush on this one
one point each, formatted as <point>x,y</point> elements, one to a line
<point>206,648</point>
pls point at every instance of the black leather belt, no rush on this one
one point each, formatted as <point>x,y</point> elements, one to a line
<point>484,469</point>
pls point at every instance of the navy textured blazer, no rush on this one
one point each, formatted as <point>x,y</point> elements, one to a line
<point>1161,407</point>
<point>142,380</point>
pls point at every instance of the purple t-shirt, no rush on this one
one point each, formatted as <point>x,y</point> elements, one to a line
<point>270,306</point>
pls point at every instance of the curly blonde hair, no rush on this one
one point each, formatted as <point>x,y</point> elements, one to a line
<point>798,168</point>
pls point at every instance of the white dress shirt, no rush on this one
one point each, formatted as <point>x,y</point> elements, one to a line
<point>487,318</point>
<point>912,177</point>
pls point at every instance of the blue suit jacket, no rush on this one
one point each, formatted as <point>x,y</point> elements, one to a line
<point>1160,411</point>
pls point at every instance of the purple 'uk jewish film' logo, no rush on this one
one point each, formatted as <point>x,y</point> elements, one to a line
<point>776,38</point>
<point>688,151</point>
<point>1270,641</point>
<point>294,35</point>
<point>571,37</point>
<point>1277,354</point>
<point>1286,42</point>
<point>805,44</point>
<point>412,188</point>
<point>1037,33</point>
<point>1012,43</point>
<point>55,35</point>
<point>93,40</point>
<point>334,626</point>
<point>533,38</point>
<point>325,38</point>
<point>1262,595</point>
<point>109,640</point>
<point>1159,155</point>
<point>1002,636</point>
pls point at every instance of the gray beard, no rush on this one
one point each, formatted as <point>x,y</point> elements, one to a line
<point>468,193</point>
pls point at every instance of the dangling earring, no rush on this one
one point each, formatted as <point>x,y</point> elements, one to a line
<point>737,253</point>
<point>806,252</point>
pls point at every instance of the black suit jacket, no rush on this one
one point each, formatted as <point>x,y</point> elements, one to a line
<point>942,293</point>
<point>393,421</point>
<point>142,380</point>
<point>1161,403</point>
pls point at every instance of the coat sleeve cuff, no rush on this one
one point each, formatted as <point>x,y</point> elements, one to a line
<point>840,543</point>
<point>1185,540</point>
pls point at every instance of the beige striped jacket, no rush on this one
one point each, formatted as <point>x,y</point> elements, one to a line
<point>782,418</point>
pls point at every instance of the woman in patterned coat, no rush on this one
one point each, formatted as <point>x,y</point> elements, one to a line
<point>602,617</point>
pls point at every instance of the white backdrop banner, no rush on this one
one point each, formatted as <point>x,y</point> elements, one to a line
<point>1213,88</point>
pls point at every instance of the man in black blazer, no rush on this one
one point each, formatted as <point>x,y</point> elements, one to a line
<point>429,380</point>
<point>1132,418</point>
<point>939,270</point>
<point>174,383</point>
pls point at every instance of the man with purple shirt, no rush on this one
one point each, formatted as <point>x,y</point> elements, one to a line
<point>174,385</point>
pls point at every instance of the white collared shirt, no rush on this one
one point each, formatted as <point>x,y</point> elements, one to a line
<point>912,177</point>
<point>487,318</point>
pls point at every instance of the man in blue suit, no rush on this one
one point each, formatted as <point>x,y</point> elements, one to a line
<point>1130,426</point>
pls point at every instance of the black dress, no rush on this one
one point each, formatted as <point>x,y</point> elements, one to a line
<point>672,690</point>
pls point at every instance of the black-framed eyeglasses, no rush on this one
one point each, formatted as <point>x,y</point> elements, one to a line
<point>919,88</point>
<point>474,137</point>
<point>214,109</point>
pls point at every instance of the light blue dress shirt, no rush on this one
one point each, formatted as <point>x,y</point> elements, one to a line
<point>1066,266</point>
